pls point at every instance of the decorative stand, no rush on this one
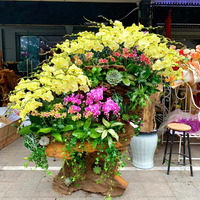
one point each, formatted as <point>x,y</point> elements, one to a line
<point>89,181</point>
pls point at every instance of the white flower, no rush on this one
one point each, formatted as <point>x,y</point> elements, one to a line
<point>133,125</point>
<point>44,141</point>
<point>192,51</point>
<point>186,51</point>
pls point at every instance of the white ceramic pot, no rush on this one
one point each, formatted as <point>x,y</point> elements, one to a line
<point>143,147</point>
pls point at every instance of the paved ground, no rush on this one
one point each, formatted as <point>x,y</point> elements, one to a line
<point>19,184</point>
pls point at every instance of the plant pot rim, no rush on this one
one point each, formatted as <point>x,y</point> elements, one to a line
<point>148,133</point>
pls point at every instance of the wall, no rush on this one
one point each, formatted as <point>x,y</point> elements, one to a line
<point>9,43</point>
<point>1,40</point>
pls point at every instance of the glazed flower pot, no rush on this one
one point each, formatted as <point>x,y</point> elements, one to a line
<point>143,147</point>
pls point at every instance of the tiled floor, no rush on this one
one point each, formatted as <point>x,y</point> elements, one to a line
<point>143,184</point>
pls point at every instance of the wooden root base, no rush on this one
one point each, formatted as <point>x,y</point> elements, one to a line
<point>90,184</point>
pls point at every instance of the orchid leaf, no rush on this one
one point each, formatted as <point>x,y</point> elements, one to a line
<point>79,124</point>
<point>87,123</point>
<point>44,130</point>
<point>57,136</point>
<point>67,128</point>
<point>94,134</point>
<point>79,134</point>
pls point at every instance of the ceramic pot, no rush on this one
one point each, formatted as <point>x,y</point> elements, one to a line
<point>143,147</point>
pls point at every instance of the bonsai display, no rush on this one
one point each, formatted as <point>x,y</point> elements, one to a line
<point>81,100</point>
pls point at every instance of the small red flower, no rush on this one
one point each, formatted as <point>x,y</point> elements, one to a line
<point>100,60</point>
<point>125,50</point>
<point>131,55</point>
<point>117,54</point>
<point>125,55</point>
<point>181,52</point>
<point>105,60</point>
<point>175,68</point>
<point>113,59</point>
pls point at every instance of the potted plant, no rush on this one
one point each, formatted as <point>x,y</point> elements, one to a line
<point>82,99</point>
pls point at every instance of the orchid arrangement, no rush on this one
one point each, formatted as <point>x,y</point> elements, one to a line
<point>78,113</point>
<point>112,45</point>
<point>89,89</point>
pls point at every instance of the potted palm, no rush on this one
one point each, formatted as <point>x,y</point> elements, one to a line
<point>80,103</point>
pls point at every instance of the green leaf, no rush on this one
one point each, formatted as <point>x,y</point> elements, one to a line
<point>15,125</point>
<point>147,73</point>
<point>94,144</point>
<point>34,128</point>
<point>94,134</point>
<point>34,119</point>
<point>80,134</point>
<point>99,70</point>
<point>106,123</point>
<point>114,134</point>
<point>25,130</point>
<point>25,164</point>
<point>67,128</point>
<point>117,97</point>
<point>126,81</point>
<point>79,123</point>
<point>100,129</point>
<point>147,97</point>
<point>117,124</point>
<point>29,142</point>
<point>149,84</point>
<point>95,82</point>
<point>132,83</point>
<point>49,173</point>
<point>95,124</point>
<point>61,126</point>
<point>57,136</point>
<point>110,141</point>
<point>133,98</point>
<point>97,170</point>
<point>44,130</point>
<point>104,134</point>
<point>87,123</point>
<point>94,69</point>
<point>131,68</point>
